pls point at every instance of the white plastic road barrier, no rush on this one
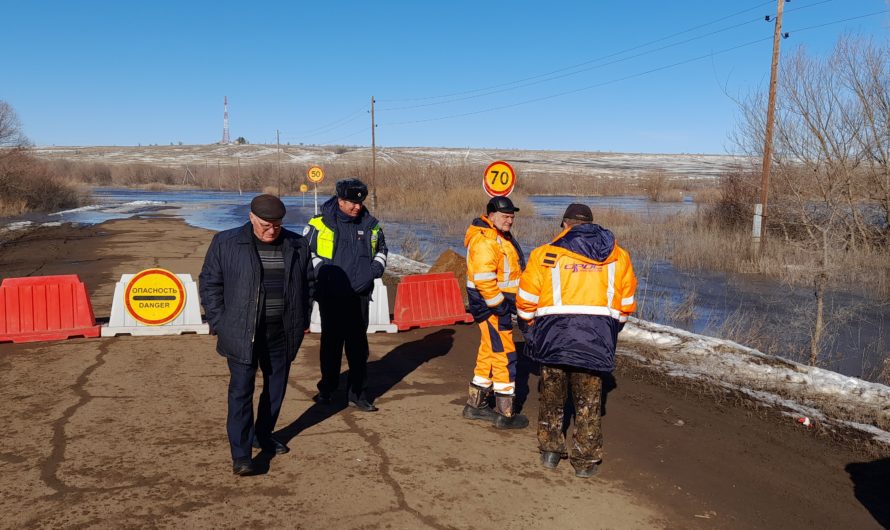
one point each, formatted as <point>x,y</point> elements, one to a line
<point>155,302</point>
<point>378,312</point>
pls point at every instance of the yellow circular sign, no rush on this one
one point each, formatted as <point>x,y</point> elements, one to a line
<point>154,297</point>
<point>304,188</point>
<point>498,179</point>
<point>315,174</point>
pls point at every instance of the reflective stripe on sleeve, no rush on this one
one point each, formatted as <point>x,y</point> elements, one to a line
<point>485,276</point>
<point>533,298</point>
<point>491,302</point>
<point>316,261</point>
<point>627,301</point>
<point>380,258</point>
<point>511,283</point>
<point>524,315</point>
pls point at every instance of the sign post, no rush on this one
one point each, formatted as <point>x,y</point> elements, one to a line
<point>315,175</point>
<point>303,189</point>
<point>499,179</point>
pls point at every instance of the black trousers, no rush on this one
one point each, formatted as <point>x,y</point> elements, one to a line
<point>344,321</point>
<point>270,355</point>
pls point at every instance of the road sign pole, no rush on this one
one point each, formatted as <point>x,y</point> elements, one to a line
<point>316,199</point>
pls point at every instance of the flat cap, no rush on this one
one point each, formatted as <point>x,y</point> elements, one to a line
<point>578,212</point>
<point>267,207</point>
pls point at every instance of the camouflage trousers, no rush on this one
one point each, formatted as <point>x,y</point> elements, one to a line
<point>586,389</point>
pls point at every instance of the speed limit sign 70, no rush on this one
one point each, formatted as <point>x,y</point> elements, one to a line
<point>499,179</point>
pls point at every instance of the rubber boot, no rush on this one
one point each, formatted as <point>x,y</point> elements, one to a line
<point>550,459</point>
<point>477,404</point>
<point>506,419</point>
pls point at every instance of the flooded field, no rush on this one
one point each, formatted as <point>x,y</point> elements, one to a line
<point>710,303</point>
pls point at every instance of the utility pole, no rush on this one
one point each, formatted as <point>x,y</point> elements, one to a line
<point>218,175</point>
<point>760,209</point>
<point>239,175</point>
<point>278,143</point>
<point>373,161</point>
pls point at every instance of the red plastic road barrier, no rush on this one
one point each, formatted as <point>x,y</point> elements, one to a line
<point>425,300</point>
<point>45,308</point>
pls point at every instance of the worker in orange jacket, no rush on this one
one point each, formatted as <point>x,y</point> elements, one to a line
<point>577,293</point>
<point>494,263</point>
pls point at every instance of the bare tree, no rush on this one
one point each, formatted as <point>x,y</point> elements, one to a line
<point>11,135</point>
<point>832,140</point>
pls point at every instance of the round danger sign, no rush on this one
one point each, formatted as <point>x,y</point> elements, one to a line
<point>154,297</point>
<point>499,179</point>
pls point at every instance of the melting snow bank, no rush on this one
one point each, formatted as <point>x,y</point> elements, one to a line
<point>127,207</point>
<point>801,390</point>
<point>399,265</point>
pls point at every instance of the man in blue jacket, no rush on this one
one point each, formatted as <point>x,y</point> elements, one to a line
<point>348,253</point>
<point>254,287</point>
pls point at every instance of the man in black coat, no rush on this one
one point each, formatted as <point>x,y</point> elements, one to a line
<point>348,253</point>
<point>254,287</point>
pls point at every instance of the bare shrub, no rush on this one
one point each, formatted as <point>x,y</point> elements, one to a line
<point>28,184</point>
<point>656,185</point>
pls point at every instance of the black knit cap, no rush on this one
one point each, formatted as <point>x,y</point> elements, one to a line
<point>578,212</point>
<point>267,207</point>
<point>500,204</point>
<point>352,189</point>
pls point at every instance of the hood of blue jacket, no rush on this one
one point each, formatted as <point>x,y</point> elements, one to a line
<point>589,240</point>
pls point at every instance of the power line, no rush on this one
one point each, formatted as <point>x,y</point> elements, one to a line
<point>549,77</point>
<point>660,39</point>
<point>632,76</point>
<point>330,126</point>
<point>616,61</point>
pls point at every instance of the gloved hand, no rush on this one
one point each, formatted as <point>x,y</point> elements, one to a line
<point>523,325</point>
<point>377,269</point>
<point>502,309</point>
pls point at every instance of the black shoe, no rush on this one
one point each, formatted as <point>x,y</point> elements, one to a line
<point>272,445</point>
<point>587,471</point>
<point>242,467</point>
<point>322,398</point>
<point>550,460</point>
<point>363,404</point>
<point>481,413</point>
<point>516,421</point>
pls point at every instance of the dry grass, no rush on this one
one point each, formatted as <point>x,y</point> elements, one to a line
<point>28,184</point>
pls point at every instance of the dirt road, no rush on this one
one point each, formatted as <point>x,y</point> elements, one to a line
<point>129,432</point>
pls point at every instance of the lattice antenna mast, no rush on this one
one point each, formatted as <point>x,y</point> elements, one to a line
<point>225,138</point>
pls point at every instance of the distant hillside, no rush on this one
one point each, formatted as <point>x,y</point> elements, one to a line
<point>615,165</point>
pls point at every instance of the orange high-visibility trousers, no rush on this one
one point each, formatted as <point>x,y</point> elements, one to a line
<point>496,359</point>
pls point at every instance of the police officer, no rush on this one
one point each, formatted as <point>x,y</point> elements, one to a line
<point>254,287</point>
<point>348,253</point>
<point>494,263</point>
<point>578,291</point>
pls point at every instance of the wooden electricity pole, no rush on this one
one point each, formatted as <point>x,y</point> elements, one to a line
<point>278,143</point>
<point>373,161</point>
<point>760,220</point>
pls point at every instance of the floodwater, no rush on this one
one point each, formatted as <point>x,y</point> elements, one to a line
<point>766,314</point>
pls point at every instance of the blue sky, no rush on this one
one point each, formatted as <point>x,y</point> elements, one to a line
<point>586,75</point>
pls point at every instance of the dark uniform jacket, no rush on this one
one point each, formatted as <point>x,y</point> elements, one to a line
<point>358,252</point>
<point>230,285</point>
